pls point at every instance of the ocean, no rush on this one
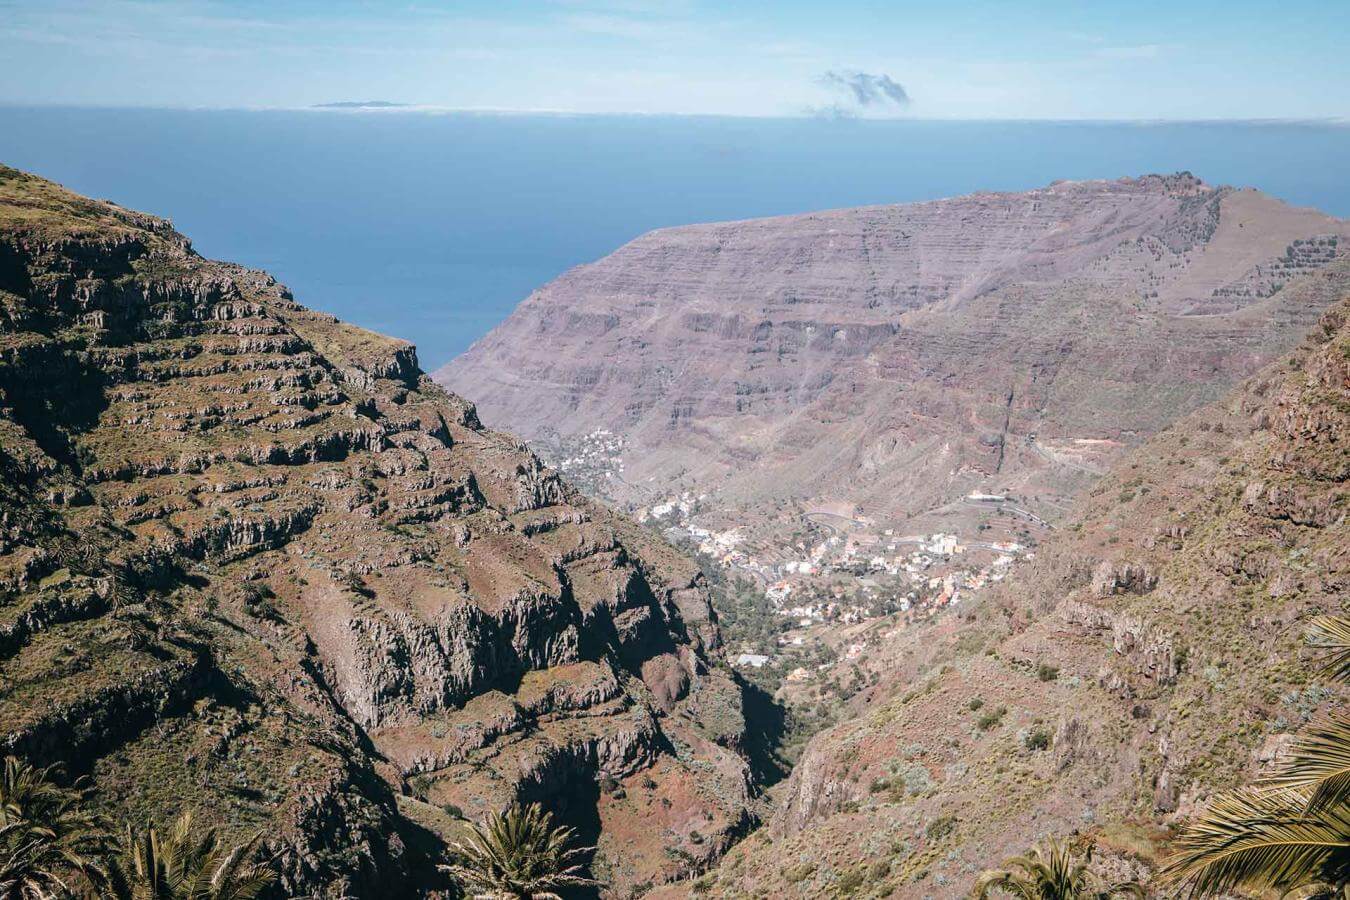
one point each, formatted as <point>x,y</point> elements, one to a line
<point>433,226</point>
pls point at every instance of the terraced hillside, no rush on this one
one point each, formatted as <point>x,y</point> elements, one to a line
<point>1150,656</point>
<point>253,562</point>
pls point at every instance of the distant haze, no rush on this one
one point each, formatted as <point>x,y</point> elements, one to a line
<point>359,104</point>
<point>977,59</point>
<point>432,227</point>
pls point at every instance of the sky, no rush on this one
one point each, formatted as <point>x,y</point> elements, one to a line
<point>1054,59</point>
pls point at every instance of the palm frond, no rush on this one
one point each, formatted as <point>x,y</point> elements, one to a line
<point>1052,871</point>
<point>1004,880</point>
<point>236,878</point>
<point>48,837</point>
<point>518,853</point>
<point>1330,635</point>
<point>1260,838</point>
<point>1318,764</point>
<point>184,863</point>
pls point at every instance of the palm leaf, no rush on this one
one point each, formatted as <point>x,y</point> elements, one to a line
<point>238,879</point>
<point>1331,636</point>
<point>48,837</point>
<point>1260,838</point>
<point>181,864</point>
<point>1007,881</point>
<point>1053,871</point>
<point>1318,764</point>
<point>518,853</point>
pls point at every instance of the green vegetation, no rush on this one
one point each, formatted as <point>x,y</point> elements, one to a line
<point>748,619</point>
<point>851,880</point>
<point>53,845</point>
<point>1291,831</point>
<point>1051,872</point>
<point>178,865</point>
<point>48,211</point>
<point>48,838</point>
<point>518,854</point>
<point>940,827</point>
<point>799,873</point>
<point>1037,739</point>
<point>744,613</point>
<point>991,719</point>
<point>420,787</point>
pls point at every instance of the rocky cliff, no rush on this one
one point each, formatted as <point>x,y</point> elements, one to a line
<point>898,358</point>
<point>254,562</point>
<point>1151,655</point>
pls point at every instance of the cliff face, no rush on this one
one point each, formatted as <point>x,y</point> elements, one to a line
<point>1151,655</point>
<point>902,357</point>
<point>252,561</point>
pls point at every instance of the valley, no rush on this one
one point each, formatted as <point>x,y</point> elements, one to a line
<point>866,418</point>
<point>1031,558</point>
<point>674,451</point>
<point>1150,658</point>
<point>806,595</point>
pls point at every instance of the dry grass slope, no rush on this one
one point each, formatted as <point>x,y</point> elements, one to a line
<point>1151,656</point>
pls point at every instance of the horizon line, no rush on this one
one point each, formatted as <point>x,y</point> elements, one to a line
<point>395,109</point>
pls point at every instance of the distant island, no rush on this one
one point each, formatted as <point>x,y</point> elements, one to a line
<point>360,104</point>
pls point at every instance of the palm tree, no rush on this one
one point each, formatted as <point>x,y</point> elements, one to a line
<point>518,855</point>
<point>1291,831</point>
<point>48,837</point>
<point>177,865</point>
<point>1055,872</point>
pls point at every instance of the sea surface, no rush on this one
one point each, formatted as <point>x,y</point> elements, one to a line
<point>433,226</point>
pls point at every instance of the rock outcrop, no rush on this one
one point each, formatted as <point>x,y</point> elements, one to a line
<point>899,358</point>
<point>253,561</point>
<point>1152,654</point>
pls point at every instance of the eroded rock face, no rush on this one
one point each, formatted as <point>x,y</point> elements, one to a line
<point>902,357</point>
<point>254,561</point>
<point>1150,656</point>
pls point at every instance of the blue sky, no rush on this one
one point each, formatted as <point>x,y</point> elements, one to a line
<point>1094,60</point>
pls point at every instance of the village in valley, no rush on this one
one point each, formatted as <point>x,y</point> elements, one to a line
<point>810,590</point>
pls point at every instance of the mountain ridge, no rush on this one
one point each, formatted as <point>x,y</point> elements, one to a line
<point>897,358</point>
<point>255,562</point>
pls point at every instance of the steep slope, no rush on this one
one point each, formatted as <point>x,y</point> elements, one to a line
<point>1150,655</point>
<point>899,358</point>
<point>254,562</point>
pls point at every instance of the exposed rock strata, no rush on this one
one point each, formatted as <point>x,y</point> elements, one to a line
<point>901,357</point>
<point>253,560</point>
<point>1151,655</point>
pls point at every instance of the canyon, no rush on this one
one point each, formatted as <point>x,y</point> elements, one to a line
<point>1088,384</point>
<point>1150,657</point>
<point>1081,453</point>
